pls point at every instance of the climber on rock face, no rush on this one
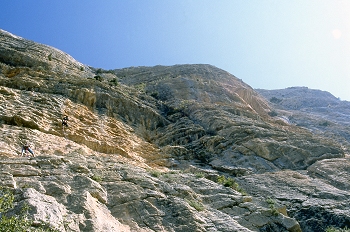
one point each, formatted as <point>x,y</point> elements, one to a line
<point>26,148</point>
<point>65,121</point>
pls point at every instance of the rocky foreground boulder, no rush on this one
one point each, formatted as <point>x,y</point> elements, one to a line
<point>164,148</point>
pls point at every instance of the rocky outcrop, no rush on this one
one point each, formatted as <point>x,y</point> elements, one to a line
<point>164,148</point>
<point>181,85</point>
<point>317,198</point>
<point>316,110</point>
<point>83,190</point>
<point>17,53</point>
<point>235,122</point>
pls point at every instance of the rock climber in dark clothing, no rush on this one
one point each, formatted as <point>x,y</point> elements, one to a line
<point>26,148</point>
<point>65,121</point>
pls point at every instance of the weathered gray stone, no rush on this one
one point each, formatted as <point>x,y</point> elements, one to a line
<point>7,179</point>
<point>24,170</point>
<point>150,153</point>
<point>45,208</point>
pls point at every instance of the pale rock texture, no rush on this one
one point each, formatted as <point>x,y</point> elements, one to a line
<point>164,148</point>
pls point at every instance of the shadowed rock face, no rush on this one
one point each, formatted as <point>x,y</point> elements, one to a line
<point>164,148</point>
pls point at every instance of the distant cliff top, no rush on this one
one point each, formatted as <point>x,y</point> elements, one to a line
<point>300,97</point>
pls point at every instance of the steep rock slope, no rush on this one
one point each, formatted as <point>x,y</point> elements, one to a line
<point>212,113</point>
<point>159,149</point>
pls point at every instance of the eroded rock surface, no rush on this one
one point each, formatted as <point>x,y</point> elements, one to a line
<point>164,148</point>
<point>317,110</point>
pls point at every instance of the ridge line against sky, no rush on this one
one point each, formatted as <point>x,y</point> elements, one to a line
<point>269,44</point>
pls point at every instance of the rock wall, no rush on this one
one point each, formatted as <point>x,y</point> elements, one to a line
<point>164,148</point>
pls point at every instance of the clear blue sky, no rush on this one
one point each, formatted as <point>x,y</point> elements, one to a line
<point>270,44</point>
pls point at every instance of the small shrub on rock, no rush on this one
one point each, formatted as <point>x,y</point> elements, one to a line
<point>97,178</point>
<point>231,183</point>
<point>195,204</point>
<point>155,173</point>
<point>333,229</point>
<point>227,182</point>
<point>98,78</point>
<point>6,199</point>
<point>114,82</point>
<point>200,174</point>
<point>275,100</point>
<point>272,206</point>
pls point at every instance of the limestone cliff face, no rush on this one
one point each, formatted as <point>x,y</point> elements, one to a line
<point>316,110</point>
<point>211,112</point>
<point>203,84</point>
<point>164,148</point>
